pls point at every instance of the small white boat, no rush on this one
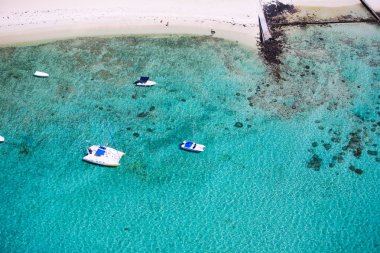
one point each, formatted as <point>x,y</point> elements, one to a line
<point>40,74</point>
<point>192,146</point>
<point>2,139</point>
<point>144,81</point>
<point>104,156</point>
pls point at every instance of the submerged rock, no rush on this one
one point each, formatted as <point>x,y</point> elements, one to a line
<point>142,114</point>
<point>372,152</point>
<point>315,162</point>
<point>24,150</point>
<point>272,49</point>
<point>354,144</point>
<point>339,159</point>
<point>356,170</point>
<point>238,125</point>
<point>275,9</point>
<point>327,146</point>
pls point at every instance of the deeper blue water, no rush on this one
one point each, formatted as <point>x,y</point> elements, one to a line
<point>291,164</point>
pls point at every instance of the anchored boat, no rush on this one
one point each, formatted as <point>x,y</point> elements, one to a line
<point>192,146</point>
<point>103,155</point>
<point>144,81</point>
<point>2,139</point>
<point>40,74</point>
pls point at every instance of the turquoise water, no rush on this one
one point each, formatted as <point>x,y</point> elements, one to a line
<point>256,188</point>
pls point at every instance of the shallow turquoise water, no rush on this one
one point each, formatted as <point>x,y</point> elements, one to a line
<point>253,189</point>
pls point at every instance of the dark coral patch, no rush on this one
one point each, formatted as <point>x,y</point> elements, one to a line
<point>136,134</point>
<point>238,125</point>
<point>339,159</point>
<point>142,114</point>
<point>103,74</point>
<point>357,153</point>
<point>315,162</point>
<point>356,170</point>
<point>24,150</point>
<point>372,152</point>
<point>327,146</point>
<point>354,144</point>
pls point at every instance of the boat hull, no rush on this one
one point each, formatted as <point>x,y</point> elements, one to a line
<point>40,74</point>
<point>147,83</point>
<point>91,160</point>
<point>2,139</point>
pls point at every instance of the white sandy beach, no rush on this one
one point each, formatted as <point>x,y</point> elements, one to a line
<point>42,20</point>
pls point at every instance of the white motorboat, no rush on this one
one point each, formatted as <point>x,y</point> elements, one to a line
<point>40,74</point>
<point>2,139</point>
<point>103,155</point>
<point>192,146</point>
<point>144,81</point>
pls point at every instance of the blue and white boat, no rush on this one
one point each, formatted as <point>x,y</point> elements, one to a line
<point>192,146</point>
<point>2,139</point>
<point>103,155</point>
<point>144,81</point>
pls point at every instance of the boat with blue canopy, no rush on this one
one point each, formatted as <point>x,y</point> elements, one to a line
<point>103,155</point>
<point>192,146</point>
<point>144,81</point>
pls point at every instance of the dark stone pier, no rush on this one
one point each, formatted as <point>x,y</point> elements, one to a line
<point>264,29</point>
<point>370,10</point>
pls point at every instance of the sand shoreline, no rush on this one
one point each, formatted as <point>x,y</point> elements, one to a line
<point>18,34</point>
<point>42,20</point>
<point>26,23</point>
